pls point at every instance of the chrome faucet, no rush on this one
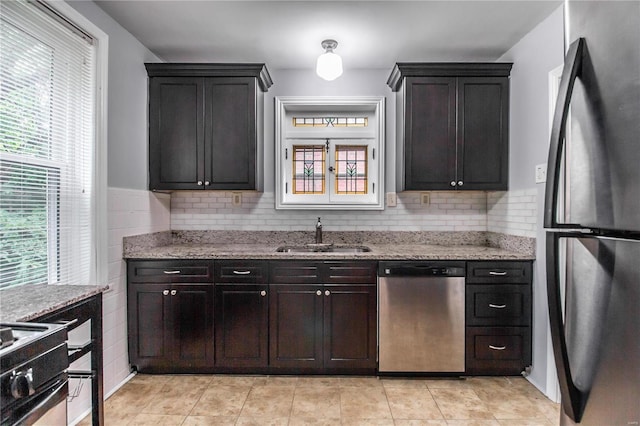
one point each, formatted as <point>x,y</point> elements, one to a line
<point>318,232</point>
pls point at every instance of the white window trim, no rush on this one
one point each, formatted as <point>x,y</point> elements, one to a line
<point>375,104</point>
<point>99,276</point>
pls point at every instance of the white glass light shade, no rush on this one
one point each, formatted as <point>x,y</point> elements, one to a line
<point>329,65</point>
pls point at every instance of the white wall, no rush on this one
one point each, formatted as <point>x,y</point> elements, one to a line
<point>130,211</point>
<point>534,56</point>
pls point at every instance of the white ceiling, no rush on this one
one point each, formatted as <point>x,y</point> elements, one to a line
<point>287,34</point>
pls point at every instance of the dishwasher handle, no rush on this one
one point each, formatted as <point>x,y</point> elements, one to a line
<point>420,270</point>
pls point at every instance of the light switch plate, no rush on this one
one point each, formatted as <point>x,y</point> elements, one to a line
<point>541,173</point>
<point>392,201</point>
<point>425,198</point>
<point>236,199</point>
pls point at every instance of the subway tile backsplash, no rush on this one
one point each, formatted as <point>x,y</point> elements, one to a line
<point>511,212</point>
<point>213,210</point>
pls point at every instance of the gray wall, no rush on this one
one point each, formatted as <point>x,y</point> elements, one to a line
<point>127,100</point>
<point>351,83</point>
<point>534,56</point>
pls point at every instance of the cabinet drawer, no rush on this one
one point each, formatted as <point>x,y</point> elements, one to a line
<point>497,350</point>
<point>239,271</point>
<point>170,271</point>
<point>351,272</point>
<point>295,272</point>
<point>503,305</point>
<point>498,272</point>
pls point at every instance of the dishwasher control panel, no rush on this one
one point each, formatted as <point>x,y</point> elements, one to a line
<point>422,269</point>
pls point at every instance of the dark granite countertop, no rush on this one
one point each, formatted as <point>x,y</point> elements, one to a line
<point>27,302</point>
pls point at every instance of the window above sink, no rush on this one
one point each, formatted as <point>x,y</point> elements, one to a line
<point>330,153</point>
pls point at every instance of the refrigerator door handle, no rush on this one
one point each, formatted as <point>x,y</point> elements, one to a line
<point>573,399</point>
<point>572,67</point>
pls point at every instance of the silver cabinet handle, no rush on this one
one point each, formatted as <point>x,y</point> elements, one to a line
<point>174,292</point>
<point>319,293</point>
<point>171,272</point>
<point>165,292</point>
<point>327,292</point>
<point>498,273</point>
<point>263,293</point>
<point>491,305</point>
<point>242,272</point>
<point>199,183</point>
<point>207,183</point>
<point>497,348</point>
<point>453,183</point>
<point>460,183</point>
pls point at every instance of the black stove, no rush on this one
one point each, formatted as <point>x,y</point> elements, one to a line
<point>33,364</point>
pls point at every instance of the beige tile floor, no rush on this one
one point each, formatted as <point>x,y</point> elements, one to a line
<point>327,400</point>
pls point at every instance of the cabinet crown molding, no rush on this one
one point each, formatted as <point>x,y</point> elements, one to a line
<point>446,69</point>
<point>256,70</point>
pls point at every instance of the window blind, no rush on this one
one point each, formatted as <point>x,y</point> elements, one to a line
<point>47,109</point>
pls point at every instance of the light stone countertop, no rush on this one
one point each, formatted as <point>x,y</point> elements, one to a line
<point>378,252</point>
<point>425,245</point>
<point>28,302</point>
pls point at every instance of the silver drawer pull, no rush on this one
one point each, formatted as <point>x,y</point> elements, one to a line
<point>165,292</point>
<point>491,305</point>
<point>242,272</point>
<point>497,348</point>
<point>498,273</point>
<point>263,293</point>
<point>171,272</point>
<point>174,292</point>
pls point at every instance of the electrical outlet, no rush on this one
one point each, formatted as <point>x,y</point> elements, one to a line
<point>236,199</point>
<point>392,201</point>
<point>541,173</point>
<point>425,198</point>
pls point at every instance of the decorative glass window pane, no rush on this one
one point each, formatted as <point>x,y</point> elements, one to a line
<point>330,121</point>
<point>351,169</point>
<point>308,169</point>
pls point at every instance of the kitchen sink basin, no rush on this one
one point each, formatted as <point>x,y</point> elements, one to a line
<point>323,248</point>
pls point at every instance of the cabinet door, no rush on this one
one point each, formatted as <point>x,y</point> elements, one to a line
<point>230,157</point>
<point>241,325</point>
<point>192,314</point>
<point>350,327</point>
<point>483,123</point>
<point>150,337</point>
<point>295,326</point>
<point>430,133</point>
<point>176,133</point>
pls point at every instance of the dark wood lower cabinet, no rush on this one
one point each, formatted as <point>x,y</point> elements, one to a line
<point>323,328</point>
<point>295,326</point>
<point>498,317</point>
<point>170,327</point>
<point>241,326</point>
<point>350,327</point>
<point>304,317</point>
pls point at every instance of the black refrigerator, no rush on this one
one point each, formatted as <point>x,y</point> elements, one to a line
<point>592,216</point>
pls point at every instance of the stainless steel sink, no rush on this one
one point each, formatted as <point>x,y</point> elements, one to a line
<point>323,248</point>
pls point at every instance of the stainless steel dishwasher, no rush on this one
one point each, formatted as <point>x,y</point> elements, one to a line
<point>421,317</point>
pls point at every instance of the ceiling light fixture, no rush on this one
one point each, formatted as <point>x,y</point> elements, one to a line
<point>329,65</point>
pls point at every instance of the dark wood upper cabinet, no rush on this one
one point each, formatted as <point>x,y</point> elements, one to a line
<point>452,125</point>
<point>206,126</point>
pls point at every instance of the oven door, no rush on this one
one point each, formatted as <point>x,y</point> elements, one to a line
<point>49,407</point>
